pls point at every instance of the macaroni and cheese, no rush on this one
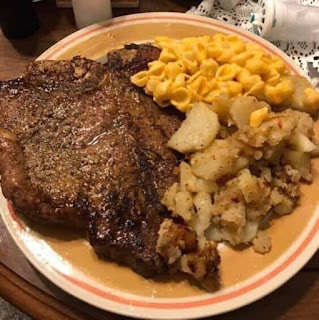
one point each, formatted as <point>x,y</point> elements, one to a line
<point>201,68</point>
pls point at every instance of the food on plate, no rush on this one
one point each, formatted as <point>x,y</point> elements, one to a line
<point>197,131</point>
<point>257,117</point>
<point>201,68</point>
<point>246,149</point>
<point>248,177</point>
<point>80,146</point>
<point>83,146</point>
<point>180,246</point>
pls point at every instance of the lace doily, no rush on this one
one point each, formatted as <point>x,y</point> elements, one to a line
<point>301,52</point>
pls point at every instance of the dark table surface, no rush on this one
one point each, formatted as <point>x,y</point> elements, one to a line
<point>24,287</point>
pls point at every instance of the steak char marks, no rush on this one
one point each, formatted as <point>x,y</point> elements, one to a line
<point>126,227</point>
<point>47,117</point>
<point>82,147</point>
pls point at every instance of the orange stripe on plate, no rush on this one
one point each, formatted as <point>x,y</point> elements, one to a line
<point>200,303</point>
<point>186,18</point>
<point>193,304</point>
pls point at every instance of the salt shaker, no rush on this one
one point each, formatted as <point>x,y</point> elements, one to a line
<point>228,4</point>
<point>89,12</point>
<point>283,20</point>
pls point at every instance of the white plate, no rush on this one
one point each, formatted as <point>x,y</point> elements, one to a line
<point>246,276</point>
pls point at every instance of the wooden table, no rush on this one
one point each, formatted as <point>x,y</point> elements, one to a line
<point>23,286</point>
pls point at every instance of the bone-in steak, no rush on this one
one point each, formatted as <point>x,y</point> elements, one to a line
<point>82,147</point>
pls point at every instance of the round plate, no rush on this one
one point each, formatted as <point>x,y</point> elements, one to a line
<point>68,261</point>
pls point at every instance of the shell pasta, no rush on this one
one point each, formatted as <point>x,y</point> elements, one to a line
<point>201,68</point>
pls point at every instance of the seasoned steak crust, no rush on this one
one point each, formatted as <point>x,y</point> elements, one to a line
<point>80,146</point>
<point>79,143</point>
<point>132,212</point>
<point>47,114</point>
<point>132,58</point>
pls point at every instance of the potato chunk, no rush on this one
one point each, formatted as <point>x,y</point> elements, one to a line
<point>216,161</point>
<point>242,108</point>
<point>262,242</point>
<point>184,205</point>
<point>204,208</point>
<point>300,161</point>
<point>196,132</point>
<point>187,178</point>
<point>301,142</point>
<point>298,100</point>
<point>169,196</point>
<point>205,186</point>
<point>248,185</point>
<point>189,182</point>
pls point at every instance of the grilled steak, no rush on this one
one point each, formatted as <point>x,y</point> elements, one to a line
<point>51,117</point>
<point>132,58</point>
<point>82,147</point>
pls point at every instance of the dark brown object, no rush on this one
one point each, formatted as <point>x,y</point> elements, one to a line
<point>124,226</point>
<point>131,59</point>
<point>77,140</point>
<point>18,18</point>
<point>79,143</point>
<point>44,125</point>
<point>301,293</point>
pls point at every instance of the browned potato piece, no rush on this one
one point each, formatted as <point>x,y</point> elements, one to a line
<point>302,143</point>
<point>187,178</point>
<point>242,107</point>
<point>184,205</point>
<point>299,99</point>
<point>204,208</point>
<point>205,186</point>
<point>221,106</point>
<point>189,182</point>
<point>216,161</point>
<point>169,196</point>
<point>300,161</point>
<point>196,132</point>
<point>262,242</point>
<point>248,185</point>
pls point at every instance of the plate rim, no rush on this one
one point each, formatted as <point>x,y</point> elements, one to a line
<point>113,307</point>
<point>311,231</point>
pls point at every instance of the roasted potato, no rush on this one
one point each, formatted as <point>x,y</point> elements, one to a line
<point>169,196</point>
<point>299,100</point>
<point>184,205</point>
<point>300,161</point>
<point>216,161</point>
<point>204,209</point>
<point>242,107</point>
<point>262,242</point>
<point>252,171</point>
<point>300,142</point>
<point>248,185</point>
<point>189,182</point>
<point>197,131</point>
